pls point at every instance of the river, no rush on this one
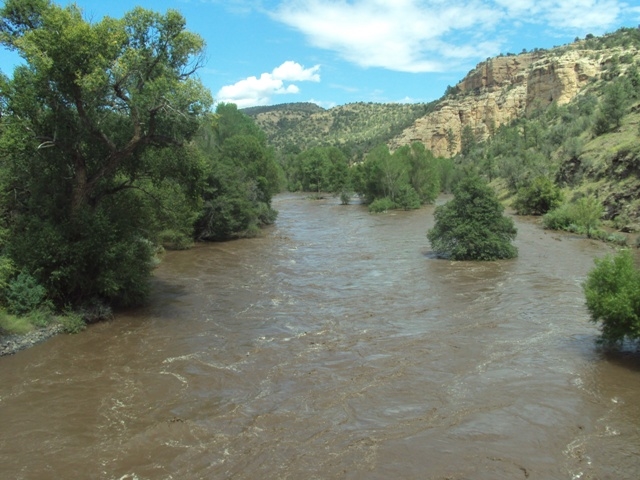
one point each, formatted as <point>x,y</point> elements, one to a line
<point>334,347</point>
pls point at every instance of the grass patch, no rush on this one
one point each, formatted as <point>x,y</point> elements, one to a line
<point>14,325</point>
<point>72,322</point>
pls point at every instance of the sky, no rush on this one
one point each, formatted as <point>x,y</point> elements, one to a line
<point>335,52</point>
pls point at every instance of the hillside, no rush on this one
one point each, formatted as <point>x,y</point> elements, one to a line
<point>514,118</point>
<point>502,89</point>
<point>360,126</point>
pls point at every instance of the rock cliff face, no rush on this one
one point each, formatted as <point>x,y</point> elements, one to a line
<point>501,89</point>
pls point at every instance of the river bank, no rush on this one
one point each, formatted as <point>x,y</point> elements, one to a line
<point>12,343</point>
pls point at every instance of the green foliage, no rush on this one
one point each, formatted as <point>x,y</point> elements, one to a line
<point>422,172</point>
<point>24,294</point>
<point>582,216</point>
<point>305,107</point>
<point>41,317</point>
<point>407,198</point>
<point>345,197</point>
<point>241,176</point>
<point>560,218</point>
<point>7,271</point>
<point>380,205</point>
<point>408,178</point>
<point>538,198</point>
<point>359,126</point>
<point>468,140</point>
<point>613,106</point>
<point>72,322</point>
<point>95,148</point>
<point>472,225</point>
<point>318,169</point>
<point>612,292</point>
<point>587,213</point>
<point>14,325</point>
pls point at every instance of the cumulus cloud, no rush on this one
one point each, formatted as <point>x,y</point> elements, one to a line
<point>254,91</point>
<point>433,35</point>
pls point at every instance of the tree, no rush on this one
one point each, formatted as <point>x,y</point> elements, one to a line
<point>472,225</point>
<point>612,292</point>
<point>100,114</point>
<point>422,170</point>
<point>613,106</point>
<point>452,144</point>
<point>241,177</point>
<point>538,198</point>
<point>380,175</point>
<point>587,212</point>
<point>468,140</point>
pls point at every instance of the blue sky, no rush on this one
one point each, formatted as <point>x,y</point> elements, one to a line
<point>332,52</point>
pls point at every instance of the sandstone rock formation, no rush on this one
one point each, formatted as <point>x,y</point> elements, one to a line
<point>501,89</point>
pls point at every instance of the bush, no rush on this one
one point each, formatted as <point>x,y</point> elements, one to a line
<point>24,294</point>
<point>407,198</point>
<point>40,317</point>
<point>612,292</point>
<point>472,225</point>
<point>381,205</point>
<point>72,322</point>
<point>174,240</point>
<point>582,217</point>
<point>588,212</point>
<point>538,198</point>
<point>345,197</point>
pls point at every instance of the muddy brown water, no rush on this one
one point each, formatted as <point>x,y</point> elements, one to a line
<point>334,347</point>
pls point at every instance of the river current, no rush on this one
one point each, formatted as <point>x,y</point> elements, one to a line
<point>334,347</point>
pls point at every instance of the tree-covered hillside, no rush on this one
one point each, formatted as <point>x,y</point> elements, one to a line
<point>357,126</point>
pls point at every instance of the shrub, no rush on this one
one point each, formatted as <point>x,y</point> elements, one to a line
<point>24,294</point>
<point>558,219</point>
<point>381,205</point>
<point>407,198</point>
<point>612,292</point>
<point>538,198</point>
<point>7,270</point>
<point>175,240</point>
<point>472,225</point>
<point>345,197</point>
<point>587,212</point>
<point>72,322</point>
<point>40,317</point>
<point>582,217</point>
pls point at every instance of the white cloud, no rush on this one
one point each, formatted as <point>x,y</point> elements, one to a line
<point>434,35</point>
<point>254,91</point>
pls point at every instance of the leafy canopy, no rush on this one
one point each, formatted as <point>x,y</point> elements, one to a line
<point>472,225</point>
<point>612,292</point>
<point>95,145</point>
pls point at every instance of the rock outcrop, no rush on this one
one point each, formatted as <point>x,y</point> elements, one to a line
<point>502,89</point>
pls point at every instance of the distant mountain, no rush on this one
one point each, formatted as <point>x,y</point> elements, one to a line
<point>305,107</point>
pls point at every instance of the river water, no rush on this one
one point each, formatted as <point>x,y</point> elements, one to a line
<point>334,347</point>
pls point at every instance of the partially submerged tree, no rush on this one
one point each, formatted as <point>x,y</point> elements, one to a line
<point>472,225</point>
<point>612,292</point>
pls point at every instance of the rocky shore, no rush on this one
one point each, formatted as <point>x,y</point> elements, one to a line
<point>10,344</point>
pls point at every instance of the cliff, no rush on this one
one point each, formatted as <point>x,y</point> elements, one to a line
<point>504,88</point>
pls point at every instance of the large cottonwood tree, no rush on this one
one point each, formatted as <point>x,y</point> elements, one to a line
<point>98,114</point>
